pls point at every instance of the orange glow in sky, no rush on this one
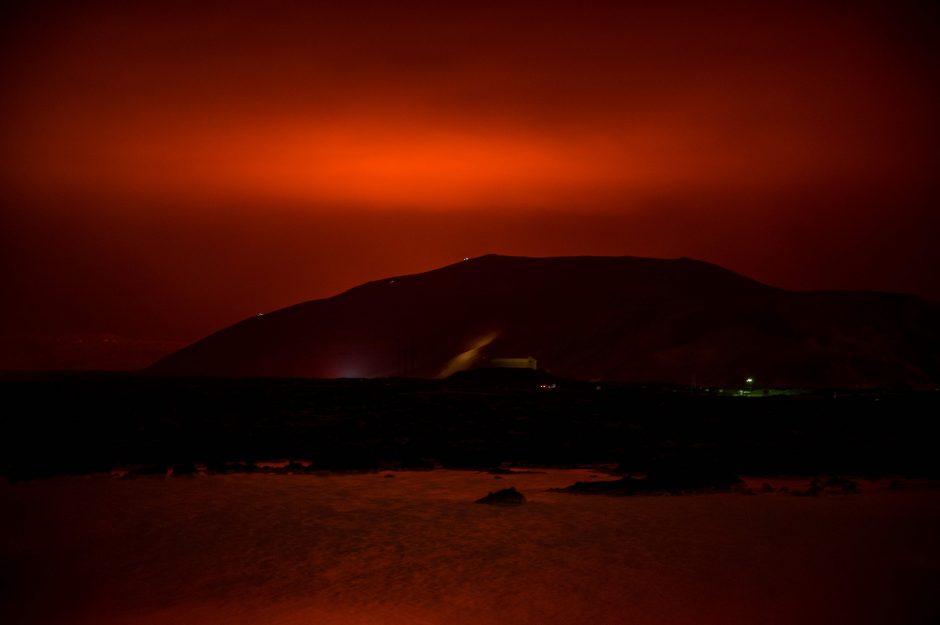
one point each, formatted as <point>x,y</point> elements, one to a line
<point>457,107</point>
<point>170,168</point>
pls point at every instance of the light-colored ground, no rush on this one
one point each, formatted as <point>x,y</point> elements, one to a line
<point>358,549</point>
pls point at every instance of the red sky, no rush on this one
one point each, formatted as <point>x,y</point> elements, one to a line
<point>169,170</point>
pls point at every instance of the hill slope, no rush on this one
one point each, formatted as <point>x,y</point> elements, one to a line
<point>623,318</point>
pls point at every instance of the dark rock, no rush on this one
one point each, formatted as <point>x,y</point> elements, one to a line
<point>623,486</point>
<point>506,497</point>
<point>291,468</point>
<point>742,489</point>
<point>692,477</point>
<point>233,467</point>
<point>215,466</point>
<point>673,480</point>
<point>812,491</point>
<point>149,469</point>
<point>187,469</point>
<point>842,484</point>
<point>295,467</point>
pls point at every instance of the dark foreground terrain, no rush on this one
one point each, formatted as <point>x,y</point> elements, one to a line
<point>357,548</point>
<point>55,424</point>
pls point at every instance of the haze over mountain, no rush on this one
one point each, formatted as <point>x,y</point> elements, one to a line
<point>613,318</point>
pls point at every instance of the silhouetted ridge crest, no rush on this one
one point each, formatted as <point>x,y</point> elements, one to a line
<point>590,317</point>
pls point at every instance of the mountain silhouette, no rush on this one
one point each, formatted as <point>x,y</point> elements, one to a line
<point>612,318</point>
